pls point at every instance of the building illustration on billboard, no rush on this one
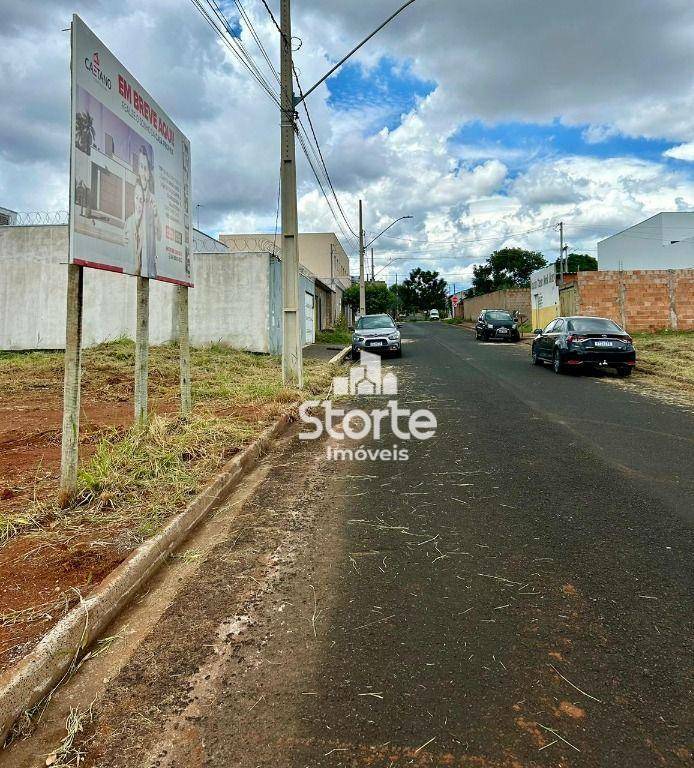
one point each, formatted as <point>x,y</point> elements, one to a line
<point>130,172</point>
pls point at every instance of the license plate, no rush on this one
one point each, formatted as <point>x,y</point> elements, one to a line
<point>603,343</point>
<point>502,330</point>
<point>376,343</point>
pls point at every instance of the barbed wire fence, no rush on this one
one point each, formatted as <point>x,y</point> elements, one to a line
<point>33,218</point>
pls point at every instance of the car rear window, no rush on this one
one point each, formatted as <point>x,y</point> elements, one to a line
<point>593,325</point>
<point>499,316</point>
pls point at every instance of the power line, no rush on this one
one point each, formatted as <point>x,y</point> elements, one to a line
<point>259,43</point>
<point>230,41</point>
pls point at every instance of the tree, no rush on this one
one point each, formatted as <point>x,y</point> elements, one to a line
<point>425,290</point>
<point>84,132</point>
<point>482,280</point>
<point>505,268</point>
<point>379,299</point>
<point>512,266</point>
<point>581,262</point>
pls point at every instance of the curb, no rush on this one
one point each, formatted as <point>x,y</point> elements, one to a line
<point>45,667</point>
<point>340,356</point>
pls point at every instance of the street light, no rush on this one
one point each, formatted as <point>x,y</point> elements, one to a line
<point>362,250</point>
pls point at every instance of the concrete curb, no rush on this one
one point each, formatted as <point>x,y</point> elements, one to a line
<point>340,356</point>
<point>41,670</point>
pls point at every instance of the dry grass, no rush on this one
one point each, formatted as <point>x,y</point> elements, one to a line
<point>136,478</point>
<point>668,357</point>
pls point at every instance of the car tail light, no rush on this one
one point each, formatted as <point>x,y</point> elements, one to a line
<point>629,340</point>
<point>574,338</point>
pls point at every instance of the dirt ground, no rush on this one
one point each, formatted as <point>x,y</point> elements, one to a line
<point>48,556</point>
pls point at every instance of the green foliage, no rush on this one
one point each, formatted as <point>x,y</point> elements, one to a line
<point>340,334</point>
<point>423,290</point>
<point>505,268</point>
<point>580,262</point>
<point>378,298</point>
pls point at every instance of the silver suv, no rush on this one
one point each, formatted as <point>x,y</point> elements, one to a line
<point>376,333</point>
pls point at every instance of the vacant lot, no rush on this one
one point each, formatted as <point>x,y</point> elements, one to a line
<point>666,360</point>
<point>131,479</point>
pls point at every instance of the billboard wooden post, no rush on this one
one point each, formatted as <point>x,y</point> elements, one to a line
<point>71,389</point>
<point>184,350</point>
<point>141,349</point>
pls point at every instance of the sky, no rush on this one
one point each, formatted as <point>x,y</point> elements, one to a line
<point>486,121</point>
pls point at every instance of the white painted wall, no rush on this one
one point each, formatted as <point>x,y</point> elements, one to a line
<point>649,244</point>
<point>229,303</point>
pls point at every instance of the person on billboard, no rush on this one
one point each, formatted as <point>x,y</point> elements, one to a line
<point>134,227</point>
<point>152,225</point>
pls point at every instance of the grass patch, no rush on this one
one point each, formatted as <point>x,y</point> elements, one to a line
<point>667,355</point>
<point>340,336</point>
<point>137,477</point>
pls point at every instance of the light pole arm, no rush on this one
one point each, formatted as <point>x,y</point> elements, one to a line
<point>386,229</point>
<point>351,53</point>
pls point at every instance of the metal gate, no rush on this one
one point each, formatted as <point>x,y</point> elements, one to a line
<point>568,301</point>
<point>309,327</point>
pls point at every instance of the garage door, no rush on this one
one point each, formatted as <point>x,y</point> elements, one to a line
<point>309,333</point>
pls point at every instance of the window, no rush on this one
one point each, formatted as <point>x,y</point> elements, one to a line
<point>593,325</point>
<point>550,327</point>
<point>558,326</point>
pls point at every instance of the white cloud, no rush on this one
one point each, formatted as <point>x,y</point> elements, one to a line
<point>681,152</point>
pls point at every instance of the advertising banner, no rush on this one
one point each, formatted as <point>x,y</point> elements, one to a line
<point>544,296</point>
<point>130,183</point>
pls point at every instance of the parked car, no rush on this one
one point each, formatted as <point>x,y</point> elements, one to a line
<point>496,324</point>
<point>376,333</point>
<point>434,314</point>
<point>584,342</point>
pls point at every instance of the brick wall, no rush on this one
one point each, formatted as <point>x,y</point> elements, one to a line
<point>511,299</point>
<point>640,300</point>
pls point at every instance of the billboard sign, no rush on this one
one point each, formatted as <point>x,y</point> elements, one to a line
<point>130,183</point>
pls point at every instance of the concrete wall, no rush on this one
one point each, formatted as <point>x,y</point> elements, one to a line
<point>320,253</point>
<point>511,299</point>
<point>237,298</point>
<point>33,281</point>
<point>639,300</point>
<point>665,241</point>
<point>230,301</point>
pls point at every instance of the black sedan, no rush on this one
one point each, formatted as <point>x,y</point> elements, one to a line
<point>584,342</point>
<point>497,324</point>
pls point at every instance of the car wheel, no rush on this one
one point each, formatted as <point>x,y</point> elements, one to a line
<point>557,364</point>
<point>355,353</point>
<point>398,353</point>
<point>536,359</point>
<point>624,371</point>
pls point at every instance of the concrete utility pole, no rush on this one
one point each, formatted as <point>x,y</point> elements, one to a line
<point>292,362</point>
<point>362,288</point>
<point>397,298</point>
<point>561,253</point>
<point>373,273</point>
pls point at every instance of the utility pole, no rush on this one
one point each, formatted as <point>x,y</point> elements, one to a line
<point>561,253</point>
<point>292,362</point>
<point>373,273</point>
<point>362,288</point>
<point>397,297</point>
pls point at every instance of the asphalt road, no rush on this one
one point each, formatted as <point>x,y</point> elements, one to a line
<point>517,593</point>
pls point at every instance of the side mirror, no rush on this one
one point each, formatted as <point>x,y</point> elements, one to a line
<point>538,332</point>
